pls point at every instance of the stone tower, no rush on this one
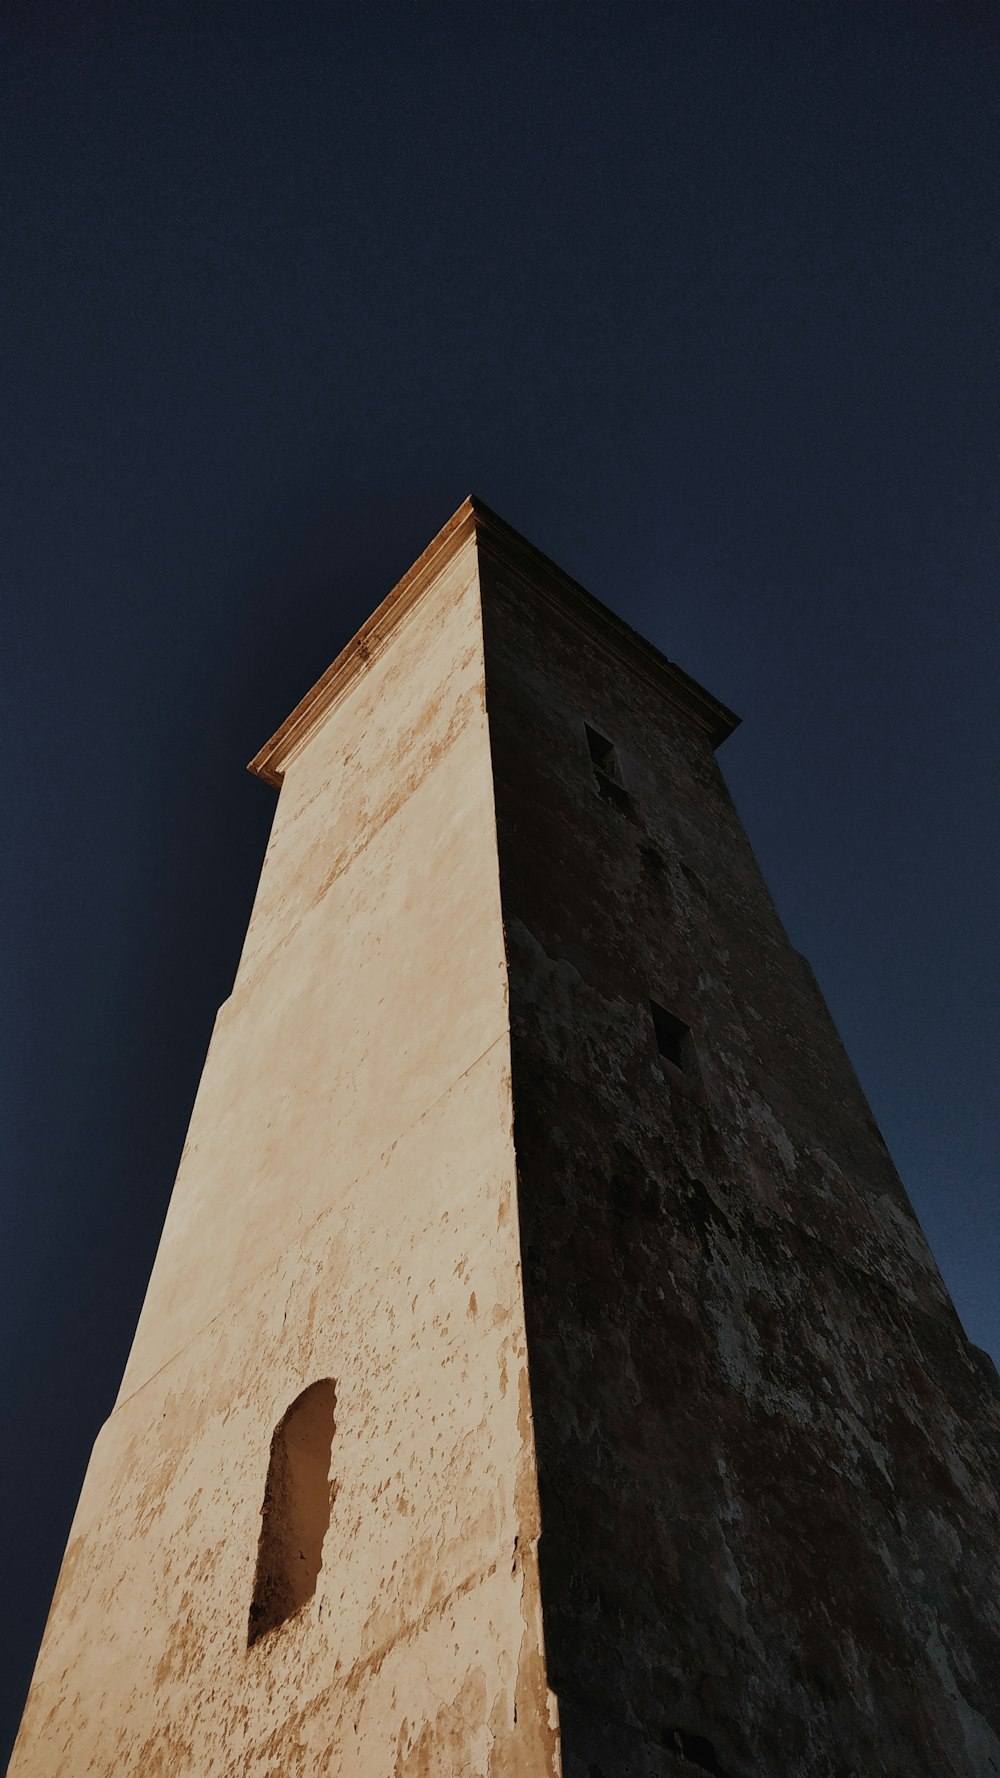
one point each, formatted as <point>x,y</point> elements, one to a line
<point>528,1189</point>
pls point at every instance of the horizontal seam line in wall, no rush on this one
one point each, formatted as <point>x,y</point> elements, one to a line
<point>273,1264</point>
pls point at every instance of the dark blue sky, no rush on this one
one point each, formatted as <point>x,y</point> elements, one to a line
<point>704,300</point>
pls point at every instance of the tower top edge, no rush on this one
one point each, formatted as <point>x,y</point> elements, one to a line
<point>475,520</point>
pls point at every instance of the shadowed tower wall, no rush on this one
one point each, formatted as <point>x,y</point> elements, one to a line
<point>527,1166</point>
<point>767,1453</point>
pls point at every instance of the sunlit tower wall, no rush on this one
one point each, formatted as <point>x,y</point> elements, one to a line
<point>307,1539</point>
<point>542,1368</point>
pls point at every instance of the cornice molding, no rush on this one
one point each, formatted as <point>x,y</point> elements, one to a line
<point>363,648</point>
<point>474,519</point>
<point>612,632</point>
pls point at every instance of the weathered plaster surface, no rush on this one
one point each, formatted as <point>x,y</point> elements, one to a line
<point>346,1209</point>
<point>768,1456</point>
<point>372,976</point>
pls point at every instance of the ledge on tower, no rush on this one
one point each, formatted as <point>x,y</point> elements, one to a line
<point>475,519</point>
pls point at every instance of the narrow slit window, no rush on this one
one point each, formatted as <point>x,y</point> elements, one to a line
<point>673,1037</point>
<point>604,757</point>
<point>295,1516</point>
<point>608,770</point>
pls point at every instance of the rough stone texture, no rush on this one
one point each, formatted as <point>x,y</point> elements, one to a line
<point>765,1451</point>
<point>768,1455</point>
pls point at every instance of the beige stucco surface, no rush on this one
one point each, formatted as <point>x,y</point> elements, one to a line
<point>345,1208</point>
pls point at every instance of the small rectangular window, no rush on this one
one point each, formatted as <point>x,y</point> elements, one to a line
<point>603,755</point>
<point>673,1037</point>
<point>608,770</point>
